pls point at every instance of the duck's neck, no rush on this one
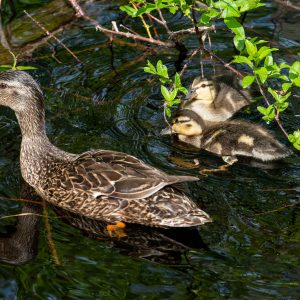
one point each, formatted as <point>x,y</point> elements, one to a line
<point>37,152</point>
<point>32,124</point>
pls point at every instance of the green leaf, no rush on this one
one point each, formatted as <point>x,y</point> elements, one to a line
<point>284,66</point>
<point>243,60</point>
<point>251,48</point>
<point>150,68</point>
<point>145,9</point>
<point>176,101</point>
<point>262,73</point>
<point>296,82</point>
<point>173,94</point>
<point>273,93</point>
<point>268,113</point>
<point>261,109</point>
<point>250,4</point>
<point>162,70</point>
<point>204,19</point>
<point>295,70</point>
<point>230,11</point>
<point>235,26</point>
<point>239,42</point>
<point>247,80</point>
<point>183,90</point>
<point>24,68</point>
<point>269,60</point>
<point>286,86</point>
<point>6,67</point>
<point>131,11</point>
<point>281,106</point>
<point>165,92</point>
<point>294,138</point>
<point>168,112</point>
<point>263,52</point>
<point>177,80</point>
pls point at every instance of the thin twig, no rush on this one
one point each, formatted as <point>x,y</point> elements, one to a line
<point>287,4</point>
<point>226,65</point>
<point>21,200</point>
<point>189,60</point>
<point>143,21</point>
<point>278,209</point>
<point>51,35</point>
<point>49,235</point>
<point>164,23</point>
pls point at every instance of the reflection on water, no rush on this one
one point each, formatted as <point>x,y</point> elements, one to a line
<point>19,245</point>
<point>251,250</point>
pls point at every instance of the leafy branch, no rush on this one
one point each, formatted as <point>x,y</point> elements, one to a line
<point>170,94</point>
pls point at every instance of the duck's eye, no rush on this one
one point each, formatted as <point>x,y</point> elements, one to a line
<point>3,85</point>
<point>203,85</point>
<point>188,125</point>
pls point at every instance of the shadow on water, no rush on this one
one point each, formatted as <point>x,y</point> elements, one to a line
<point>251,250</point>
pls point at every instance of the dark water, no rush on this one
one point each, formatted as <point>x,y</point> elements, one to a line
<point>252,247</point>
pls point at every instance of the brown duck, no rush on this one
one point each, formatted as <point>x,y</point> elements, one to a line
<point>101,184</point>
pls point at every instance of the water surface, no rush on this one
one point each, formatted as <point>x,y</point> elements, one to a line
<point>252,247</point>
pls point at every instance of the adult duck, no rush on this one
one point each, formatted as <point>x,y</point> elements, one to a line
<point>100,184</point>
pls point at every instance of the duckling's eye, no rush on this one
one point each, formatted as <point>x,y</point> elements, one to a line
<point>188,125</point>
<point>203,85</point>
<point>3,85</point>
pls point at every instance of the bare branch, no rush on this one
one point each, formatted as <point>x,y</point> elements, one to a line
<point>81,14</point>
<point>51,35</point>
<point>288,4</point>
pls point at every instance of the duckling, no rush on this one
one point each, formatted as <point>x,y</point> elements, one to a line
<point>228,139</point>
<point>105,185</point>
<point>216,100</point>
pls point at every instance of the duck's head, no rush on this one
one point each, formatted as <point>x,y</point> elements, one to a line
<point>20,92</point>
<point>203,90</point>
<point>184,125</point>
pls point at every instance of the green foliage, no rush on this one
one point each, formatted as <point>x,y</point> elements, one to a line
<point>294,138</point>
<point>14,65</point>
<point>169,94</point>
<point>254,53</point>
<point>173,6</point>
<point>268,113</point>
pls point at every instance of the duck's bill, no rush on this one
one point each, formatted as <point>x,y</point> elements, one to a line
<point>166,131</point>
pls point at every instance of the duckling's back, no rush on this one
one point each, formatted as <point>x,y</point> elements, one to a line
<point>234,138</point>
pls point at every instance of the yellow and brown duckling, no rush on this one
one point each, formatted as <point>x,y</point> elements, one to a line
<point>216,100</point>
<point>101,184</point>
<point>229,139</point>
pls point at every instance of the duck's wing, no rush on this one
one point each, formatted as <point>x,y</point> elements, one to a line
<point>116,174</point>
<point>231,98</point>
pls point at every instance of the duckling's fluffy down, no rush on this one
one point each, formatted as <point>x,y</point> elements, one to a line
<point>243,138</point>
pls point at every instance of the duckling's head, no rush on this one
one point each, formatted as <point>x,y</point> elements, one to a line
<point>186,125</point>
<point>203,90</point>
<point>20,92</point>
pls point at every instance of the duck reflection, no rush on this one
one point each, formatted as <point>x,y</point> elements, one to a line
<point>167,246</point>
<point>155,244</point>
<point>19,245</point>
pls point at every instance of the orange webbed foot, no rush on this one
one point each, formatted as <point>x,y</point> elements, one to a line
<point>116,230</point>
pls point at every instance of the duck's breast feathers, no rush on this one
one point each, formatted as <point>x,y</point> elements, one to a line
<point>115,174</point>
